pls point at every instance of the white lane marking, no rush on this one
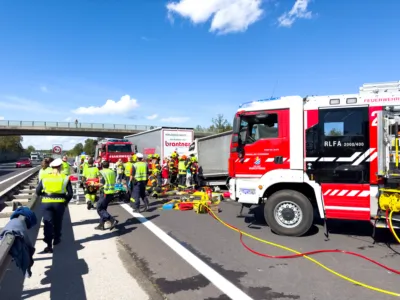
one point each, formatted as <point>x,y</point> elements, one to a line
<point>215,278</point>
<point>19,174</point>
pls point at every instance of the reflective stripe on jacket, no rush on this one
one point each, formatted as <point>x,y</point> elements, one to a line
<point>156,169</point>
<point>109,178</point>
<point>65,168</point>
<point>55,188</point>
<point>128,168</point>
<point>91,173</point>
<point>182,167</point>
<point>140,171</point>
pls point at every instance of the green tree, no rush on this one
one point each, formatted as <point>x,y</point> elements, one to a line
<point>334,132</point>
<point>30,149</point>
<point>220,124</point>
<point>90,146</point>
<point>11,143</point>
<point>78,149</point>
<point>200,128</point>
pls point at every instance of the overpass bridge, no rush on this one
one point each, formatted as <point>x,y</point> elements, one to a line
<point>8,127</point>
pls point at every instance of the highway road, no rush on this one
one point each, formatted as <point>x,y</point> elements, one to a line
<point>185,256</point>
<point>179,276</point>
<point>10,175</point>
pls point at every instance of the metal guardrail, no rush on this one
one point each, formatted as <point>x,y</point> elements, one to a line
<point>7,242</point>
<point>73,125</point>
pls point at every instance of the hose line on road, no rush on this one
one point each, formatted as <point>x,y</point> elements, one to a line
<point>306,255</point>
<point>390,223</point>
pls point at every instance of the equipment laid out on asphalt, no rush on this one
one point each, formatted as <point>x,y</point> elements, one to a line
<point>199,201</point>
<point>306,255</point>
<point>334,153</point>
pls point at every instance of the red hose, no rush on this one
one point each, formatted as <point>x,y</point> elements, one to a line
<point>309,253</point>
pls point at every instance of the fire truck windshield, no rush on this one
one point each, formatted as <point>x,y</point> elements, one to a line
<point>119,148</point>
<point>253,128</point>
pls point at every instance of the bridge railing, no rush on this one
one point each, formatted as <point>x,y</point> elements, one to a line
<point>105,126</point>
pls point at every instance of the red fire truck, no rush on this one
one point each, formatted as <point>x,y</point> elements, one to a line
<point>114,149</point>
<point>329,153</point>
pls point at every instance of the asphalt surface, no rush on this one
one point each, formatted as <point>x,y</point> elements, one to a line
<point>164,274</point>
<point>7,171</point>
<point>260,278</point>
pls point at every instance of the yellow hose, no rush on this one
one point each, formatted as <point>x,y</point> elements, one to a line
<point>391,226</point>
<point>307,257</point>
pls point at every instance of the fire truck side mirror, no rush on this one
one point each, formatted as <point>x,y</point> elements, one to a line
<point>136,149</point>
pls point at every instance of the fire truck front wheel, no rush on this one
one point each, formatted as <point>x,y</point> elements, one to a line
<point>289,213</point>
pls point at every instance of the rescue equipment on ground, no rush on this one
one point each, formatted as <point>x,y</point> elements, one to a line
<point>306,255</point>
<point>197,201</point>
<point>121,193</point>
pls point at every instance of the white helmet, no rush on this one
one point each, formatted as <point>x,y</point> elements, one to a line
<point>139,155</point>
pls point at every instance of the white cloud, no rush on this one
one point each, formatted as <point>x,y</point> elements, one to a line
<point>227,15</point>
<point>175,120</point>
<point>46,142</point>
<point>22,104</point>
<point>298,11</point>
<point>111,107</point>
<point>44,89</point>
<point>69,119</point>
<point>1,118</point>
<point>152,117</point>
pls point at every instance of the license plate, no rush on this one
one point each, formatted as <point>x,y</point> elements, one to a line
<point>248,191</point>
<point>22,165</point>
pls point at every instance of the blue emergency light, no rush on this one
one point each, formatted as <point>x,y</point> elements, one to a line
<point>117,140</point>
<point>250,103</point>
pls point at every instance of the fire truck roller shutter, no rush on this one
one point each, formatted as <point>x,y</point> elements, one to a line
<point>289,213</point>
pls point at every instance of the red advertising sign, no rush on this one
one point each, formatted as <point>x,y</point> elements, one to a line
<point>149,151</point>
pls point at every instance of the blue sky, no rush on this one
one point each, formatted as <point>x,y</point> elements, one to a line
<point>183,62</point>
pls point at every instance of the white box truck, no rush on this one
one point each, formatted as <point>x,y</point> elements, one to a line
<point>212,153</point>
<point>163,141</point>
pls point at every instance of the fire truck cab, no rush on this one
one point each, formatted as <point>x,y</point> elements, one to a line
<point>112,150</point>
<point>330,153</point>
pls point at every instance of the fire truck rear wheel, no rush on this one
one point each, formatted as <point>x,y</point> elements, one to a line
<point>289,213</point>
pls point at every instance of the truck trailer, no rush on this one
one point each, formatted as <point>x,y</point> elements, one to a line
<point>212,153</point>
<point>163,141</point>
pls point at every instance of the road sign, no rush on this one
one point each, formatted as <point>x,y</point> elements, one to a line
<point>57,149</point>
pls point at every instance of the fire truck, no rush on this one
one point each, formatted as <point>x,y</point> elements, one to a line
<point>334,154</point>
<point>112,150</point>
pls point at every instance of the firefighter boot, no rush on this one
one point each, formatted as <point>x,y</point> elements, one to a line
<point>100,226</point>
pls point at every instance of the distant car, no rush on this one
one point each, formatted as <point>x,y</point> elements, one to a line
<point>24,162</point>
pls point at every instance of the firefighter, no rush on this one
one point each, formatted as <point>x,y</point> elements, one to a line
<point>46,169</point>
<point>194,168</point>
<point>189,171</point>
<point>107,184</point>
<point>157,169</point>
<point>128,170</point>
<point>150,162</point>
<point>173,170</point>
<point>65,167</point>
<point>91,172</point>
<point>120,170</point>
<point>56,192</point>
<point>182,172</point>
<point>139,182</point>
